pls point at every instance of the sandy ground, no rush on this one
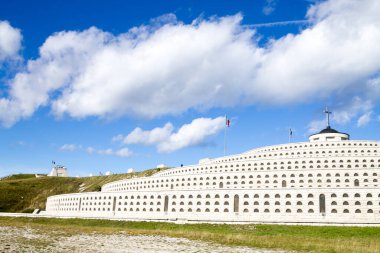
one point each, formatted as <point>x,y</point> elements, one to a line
<point>14,239</point>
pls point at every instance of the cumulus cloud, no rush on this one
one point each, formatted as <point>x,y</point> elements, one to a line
<point>326,57</point>
<point>364,119</point>
<point>352,109</point>
<point>169,67</point>
<point>62,57</point>
<point>156,135</point>
<point>10,41</point>
<point>192,134</point>
<point>166,140</point>
<point>123,152</point>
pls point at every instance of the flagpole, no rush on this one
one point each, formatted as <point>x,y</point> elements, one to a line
<point>225,136</point>
<point>226,125</point>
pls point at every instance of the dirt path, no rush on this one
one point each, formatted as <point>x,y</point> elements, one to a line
<point>14,239</point>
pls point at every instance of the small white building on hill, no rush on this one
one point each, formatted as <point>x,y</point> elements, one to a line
<point>58,171</point>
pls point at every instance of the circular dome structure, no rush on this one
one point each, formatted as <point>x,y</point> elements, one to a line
<point>328,130</point>
<point>329,134</point>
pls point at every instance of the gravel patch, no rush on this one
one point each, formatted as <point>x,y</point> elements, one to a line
<point>14,239</point>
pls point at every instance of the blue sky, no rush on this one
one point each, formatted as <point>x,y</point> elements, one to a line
<point>114,85</point>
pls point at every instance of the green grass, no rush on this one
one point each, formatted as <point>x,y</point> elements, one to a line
<point>25,192</point>
<point>293,238</point>
<point>18,176</point>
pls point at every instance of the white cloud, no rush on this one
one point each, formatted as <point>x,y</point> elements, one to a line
<point>118,138</point>
<point>92,150</point>
<point>352,109</point>
<point>156,135</point>
<point>10,41</point>
<point>193,134</point>
<point>123,152</point>
<point>316,125</point>
<point>69,147</point>
<point>269,7</point>
<point>345,113</point>
<point>364,119</point>
<point>321,59</point>
<point>63,56</point>
<point>147,73</point>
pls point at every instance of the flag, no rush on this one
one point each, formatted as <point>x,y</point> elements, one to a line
<point>290,134</point>
<point>227,122</point>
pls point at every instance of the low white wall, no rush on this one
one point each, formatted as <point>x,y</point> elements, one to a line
<point>268,206</point>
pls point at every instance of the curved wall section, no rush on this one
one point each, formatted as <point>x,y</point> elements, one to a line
<point>320,182</point>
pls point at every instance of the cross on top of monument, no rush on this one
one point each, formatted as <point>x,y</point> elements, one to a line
<point>327,116</point>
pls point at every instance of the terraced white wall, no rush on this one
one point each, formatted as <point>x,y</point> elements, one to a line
<point>323,182</point>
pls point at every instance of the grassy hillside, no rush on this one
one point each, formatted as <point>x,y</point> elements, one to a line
<point>18,176</point>
<point>24,192</point>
